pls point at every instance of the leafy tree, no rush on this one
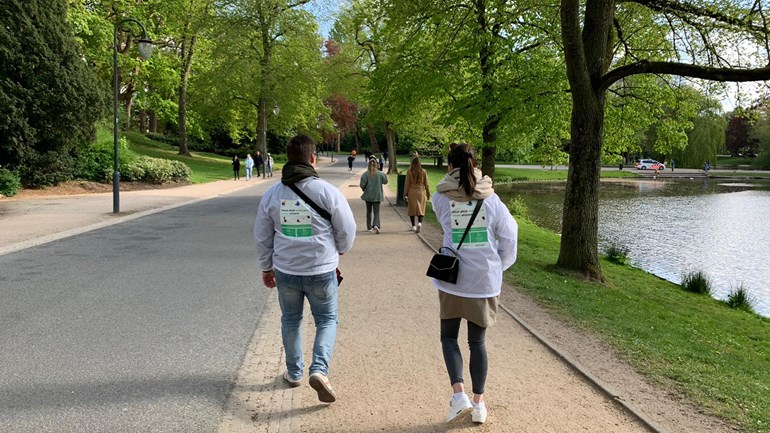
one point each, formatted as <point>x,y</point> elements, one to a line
<point>705,138</point>
<point>693,40</point>
<point>738,138</point>
<point>265,63</point>
<point>487,66</point>
<point>49,97</point>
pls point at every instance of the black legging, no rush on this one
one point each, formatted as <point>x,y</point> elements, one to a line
<point>450,329</point>
<point>419,219</point>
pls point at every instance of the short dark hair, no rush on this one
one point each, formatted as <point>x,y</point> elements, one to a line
<point>300,148</point>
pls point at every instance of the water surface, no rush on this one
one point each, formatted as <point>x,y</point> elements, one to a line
<point>673,226</point>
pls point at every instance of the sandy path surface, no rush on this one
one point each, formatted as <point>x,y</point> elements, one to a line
<point>388,370</point>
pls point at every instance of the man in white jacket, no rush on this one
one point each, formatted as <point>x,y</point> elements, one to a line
<point>298,249</point>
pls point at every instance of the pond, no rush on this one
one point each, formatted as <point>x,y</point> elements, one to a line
<point>674,226</point>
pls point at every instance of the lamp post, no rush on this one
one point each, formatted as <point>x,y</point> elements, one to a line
<point>145,47</point>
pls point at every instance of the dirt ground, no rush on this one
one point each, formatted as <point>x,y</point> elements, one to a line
<point>76,187</point>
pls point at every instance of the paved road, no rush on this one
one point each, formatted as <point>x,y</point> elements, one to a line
<point>136,327</point>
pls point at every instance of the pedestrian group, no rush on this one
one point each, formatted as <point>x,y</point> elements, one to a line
<point>304,224</point>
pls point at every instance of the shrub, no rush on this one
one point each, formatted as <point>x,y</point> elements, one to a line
<point>617,254</point>
<point>740,299</point>
<point>517,207</point>
<point>696,282</point>
<point>155,170</point>
<point>10,182</point>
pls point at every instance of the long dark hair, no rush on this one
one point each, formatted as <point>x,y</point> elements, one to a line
<point>462,156</point>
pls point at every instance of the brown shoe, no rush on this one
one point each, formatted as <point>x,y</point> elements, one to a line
<point>321,385</point>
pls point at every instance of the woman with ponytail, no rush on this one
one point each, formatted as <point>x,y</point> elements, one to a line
<point>488,249</point>
<point>371,183</point>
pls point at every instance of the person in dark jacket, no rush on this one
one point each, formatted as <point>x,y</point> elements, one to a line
<point>236,167</point>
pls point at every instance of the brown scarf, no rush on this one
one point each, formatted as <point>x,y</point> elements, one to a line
<point>450,186</point>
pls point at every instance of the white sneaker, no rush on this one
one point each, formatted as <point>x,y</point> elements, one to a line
<point>292,382</point>
<point>419,227</point>
<point>376,230</point>
<point>459,409</point>
<point>414,229</point>
<point>479,413</point>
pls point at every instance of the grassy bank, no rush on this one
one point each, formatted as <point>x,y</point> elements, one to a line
<point>689,344</point>
<point>692,344</point>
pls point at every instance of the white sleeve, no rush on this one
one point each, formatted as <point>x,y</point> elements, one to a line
<point>264,233</point>
<point>343,222</point>
<point>507,233</point>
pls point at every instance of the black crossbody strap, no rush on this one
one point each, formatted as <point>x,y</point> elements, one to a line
<point>470,223</point>
<point>323,212</point>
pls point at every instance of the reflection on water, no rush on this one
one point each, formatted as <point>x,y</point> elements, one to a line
<point>674,226</point>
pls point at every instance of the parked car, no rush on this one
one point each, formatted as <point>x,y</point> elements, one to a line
<point>650,164</point>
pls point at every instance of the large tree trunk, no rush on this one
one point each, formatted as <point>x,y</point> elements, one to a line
<point>587,54</point>
<point>188,50</point>
<point>580,219</point>
<point>391,139</point>
<point>372,139</point>
<point>153,122</point>
<point>489,151</point>
<point>262,109</point>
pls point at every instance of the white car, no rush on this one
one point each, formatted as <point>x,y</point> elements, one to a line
<point>650,164</point>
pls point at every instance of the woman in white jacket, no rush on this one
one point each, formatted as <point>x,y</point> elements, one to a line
<point>488,250</point>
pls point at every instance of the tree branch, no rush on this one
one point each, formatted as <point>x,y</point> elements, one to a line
<point>685,70</point>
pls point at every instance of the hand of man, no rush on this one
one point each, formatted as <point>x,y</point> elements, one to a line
<point>268,278</point>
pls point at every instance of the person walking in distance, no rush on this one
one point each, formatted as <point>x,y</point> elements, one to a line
<point>269,165</point>
<point>351,158</point>
<point>258,161</point>
<point>298,248</point>
<point>415,192</point>
<point>236,167</point>
<point>490,250</point>
<point>249,165</point>
<point>371,183</point>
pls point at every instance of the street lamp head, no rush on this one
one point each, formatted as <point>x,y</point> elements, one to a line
<point>145,47</point>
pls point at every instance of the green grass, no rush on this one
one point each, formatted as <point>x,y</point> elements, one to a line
<point>716,356</point>
<point>687,343</point>
<point>728,162</point>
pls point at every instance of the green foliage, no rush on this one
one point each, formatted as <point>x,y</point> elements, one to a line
<point>155,170</point>
<point>517,207</point>
<point>617,254</point>
<point>696,282</point>
<point>49,98</point>
<point>739,298</point>
<point>10,182</point>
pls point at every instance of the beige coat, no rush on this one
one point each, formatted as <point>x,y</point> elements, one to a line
<point>416,193</point>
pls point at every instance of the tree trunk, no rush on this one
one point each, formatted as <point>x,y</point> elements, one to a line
<point>489,151</point>
<point>153,122</point>
<point>372,139</point>
<point>358,144</point>
<point>580,219</point>
<point>264,62</point>
<point>187,58</point>
<point>391,139</point>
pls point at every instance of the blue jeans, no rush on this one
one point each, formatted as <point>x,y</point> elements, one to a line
<point>321,292</point>
<point>248,173</point>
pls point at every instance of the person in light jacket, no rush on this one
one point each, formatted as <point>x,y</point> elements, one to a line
<point>298,251</point>
<point>249,165</point>
<point>483,258</point>
<point>371,183</point>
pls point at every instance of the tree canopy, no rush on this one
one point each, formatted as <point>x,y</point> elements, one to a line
<point>49,97</point>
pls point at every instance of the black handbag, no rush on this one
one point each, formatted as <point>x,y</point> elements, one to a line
<point>321,211</point>
<point>446,267</point>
